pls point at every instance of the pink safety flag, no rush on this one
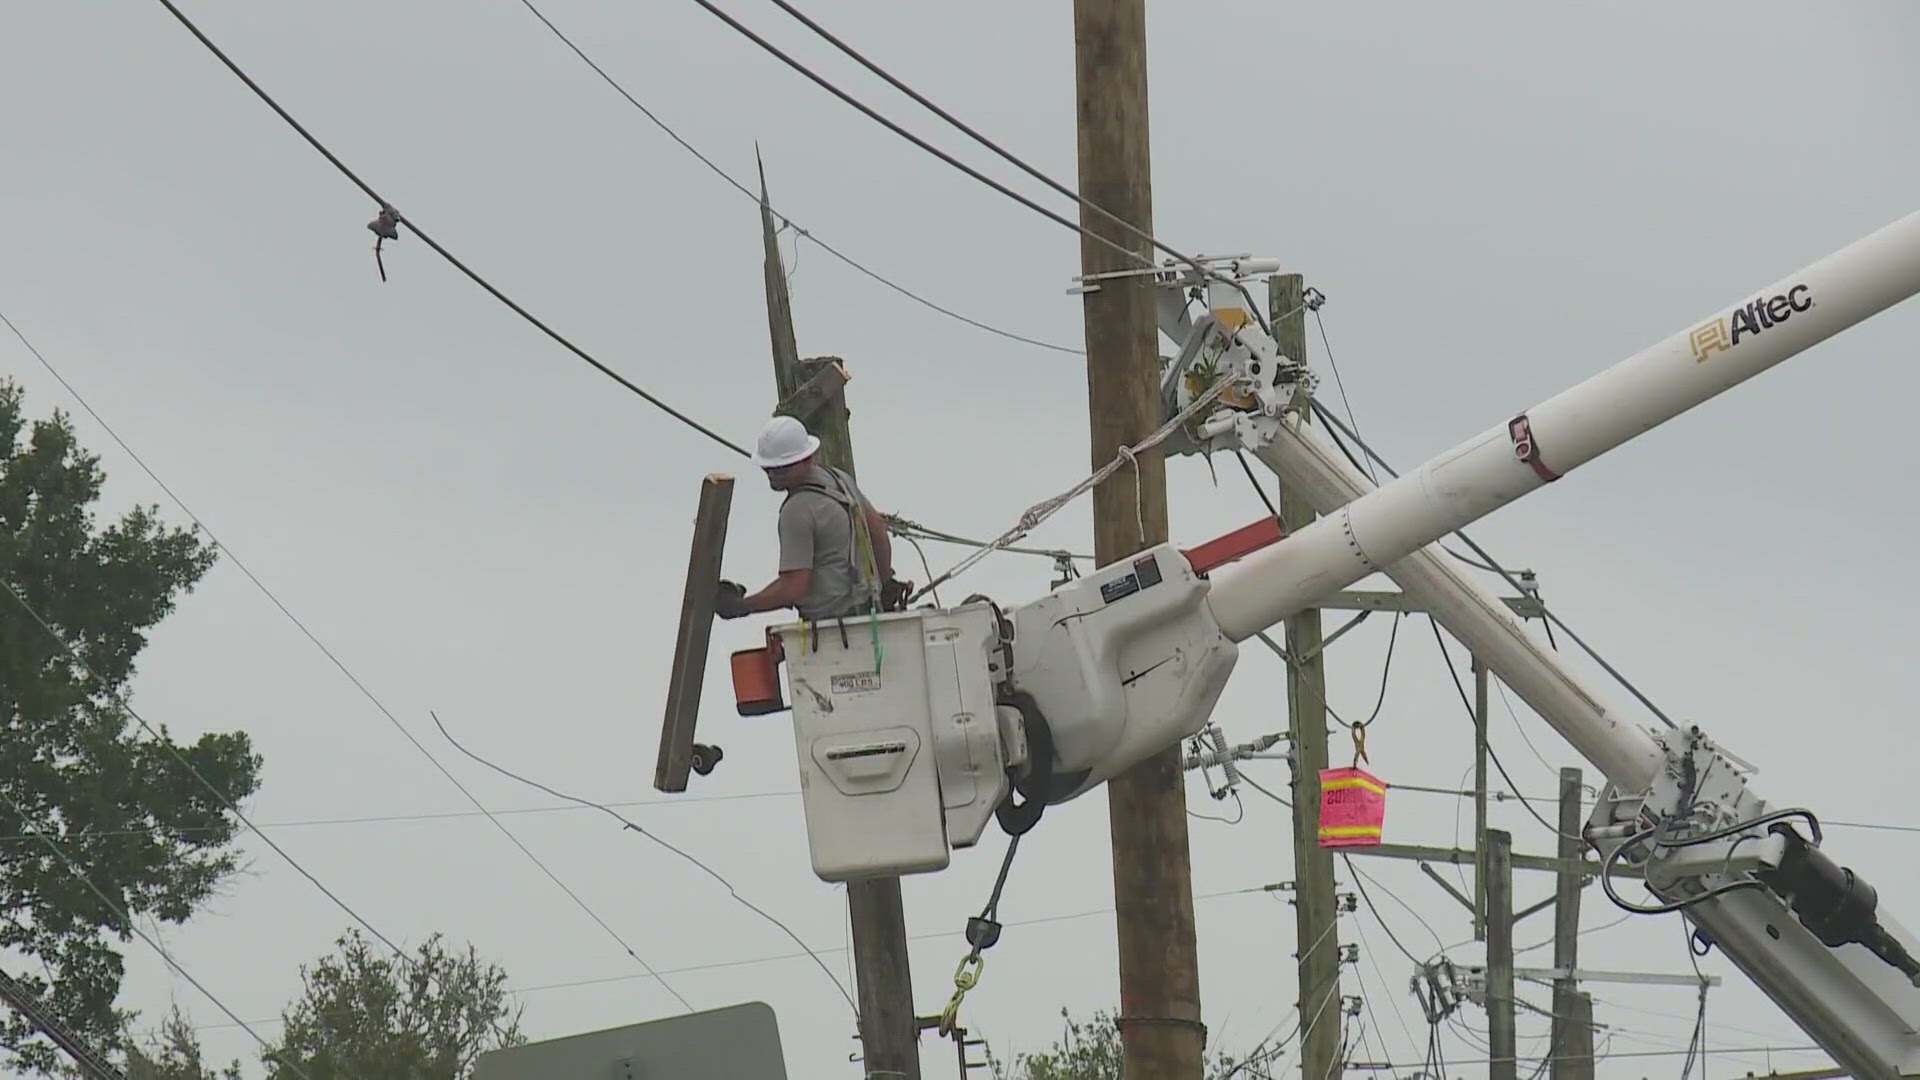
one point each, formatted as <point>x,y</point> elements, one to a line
<point>1353,807</point>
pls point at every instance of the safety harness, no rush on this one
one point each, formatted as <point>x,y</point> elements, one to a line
<point>860,558</point>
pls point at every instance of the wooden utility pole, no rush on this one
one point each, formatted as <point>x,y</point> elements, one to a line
<point>1159,1018</point>
<point>1578,1050</point>
<point>1313,894</point>
<point>1500,1035</point>
<point>1567,1058</point>
<point>1480,799</point>
<point>889,1035</point>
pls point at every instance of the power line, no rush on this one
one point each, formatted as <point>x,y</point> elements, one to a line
<point>810,953</point>
<point>435,815</point>
<point>344,670</point>
<point>1491,756</point>
<point>387,209</point>
<point>868,111</point>
<point>1326,345</point>
<point>1360,878</point>
<point>1386,669</point>
<point>1257,786</point>
<point>630,824</point>
<point>564,887</point>
<point>134,926</point>
<point>970,132</point>
<point>1387,1065</point>
<point>232,807</point>
<point>1393,1000</point>
<point>1522,728</point>
<point>744,190</point>
<point>976,136</point>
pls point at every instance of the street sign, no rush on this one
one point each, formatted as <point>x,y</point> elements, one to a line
<point>739,1042</point>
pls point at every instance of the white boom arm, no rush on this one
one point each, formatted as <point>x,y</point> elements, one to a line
<point>1505,462</point>
<point>1812,941</point>
<point>909,744</point>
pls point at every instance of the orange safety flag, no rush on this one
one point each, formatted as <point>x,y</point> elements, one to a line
<point>1353,807</point>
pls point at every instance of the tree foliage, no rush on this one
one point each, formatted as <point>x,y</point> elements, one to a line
<point>366,1014</point>
<point>149,836</point>
<point>1092,1051</point>
<point>174,1054</point>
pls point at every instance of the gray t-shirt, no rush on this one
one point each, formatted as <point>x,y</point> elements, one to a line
<point>816,533</point>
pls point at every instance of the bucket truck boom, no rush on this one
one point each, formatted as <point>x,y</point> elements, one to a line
<point>905,753</point>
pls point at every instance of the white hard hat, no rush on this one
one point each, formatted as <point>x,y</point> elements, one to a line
<point>782,442</point>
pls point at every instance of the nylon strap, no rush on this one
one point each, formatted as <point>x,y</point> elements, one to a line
<point>1520,430</point>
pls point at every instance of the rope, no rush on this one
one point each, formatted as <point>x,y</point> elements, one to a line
<point>1046,508</point>
<point>911,529</point>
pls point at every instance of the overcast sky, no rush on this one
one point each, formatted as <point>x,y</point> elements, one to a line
<point>1497,198</point>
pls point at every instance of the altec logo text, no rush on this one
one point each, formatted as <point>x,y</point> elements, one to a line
<point>1758,315</point>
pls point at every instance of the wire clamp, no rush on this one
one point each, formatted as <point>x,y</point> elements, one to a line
<point>1312,298</point>
<point>385,226</point>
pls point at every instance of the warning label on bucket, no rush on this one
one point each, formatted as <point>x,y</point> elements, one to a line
<point>854,682</point>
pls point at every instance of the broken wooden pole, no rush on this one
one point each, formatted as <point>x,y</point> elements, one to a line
<point>696,628</point>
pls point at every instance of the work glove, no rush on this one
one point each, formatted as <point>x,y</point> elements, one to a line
<point>730,600</point>
<point>893,594</point>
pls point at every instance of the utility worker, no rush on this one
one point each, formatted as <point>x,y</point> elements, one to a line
<point>835,556</point>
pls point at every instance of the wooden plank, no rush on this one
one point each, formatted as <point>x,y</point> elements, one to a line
<point>696,627</point>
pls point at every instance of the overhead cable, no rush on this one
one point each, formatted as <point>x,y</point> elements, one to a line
<point>630,824</point>
<point>73,655</point>
<point>578,901</point>
<point>389,212</point>
<point>869,112</point>
<point>1326,345</point>
<point>797,228</point>
<point>809,954</point>
<point>1491,756</point>
<point>1387,1065</point>
<point>983,140</point>
<point>127,917</point>
<point>1360,877</point>
<point>325,651</point>
<point>434,815</point>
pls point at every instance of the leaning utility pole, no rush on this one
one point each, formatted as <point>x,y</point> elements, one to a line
<point>1572,1048</point>
<point>1313,894</point>
<point>1500,1034</point>
<point>889,1035</point>
<point>1159,1017</point>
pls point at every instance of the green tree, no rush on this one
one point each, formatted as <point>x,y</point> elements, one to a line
<point>174,1054</point>
<point>366,1014</point>
<point>1092,1051</point>
<point>148,834</point>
